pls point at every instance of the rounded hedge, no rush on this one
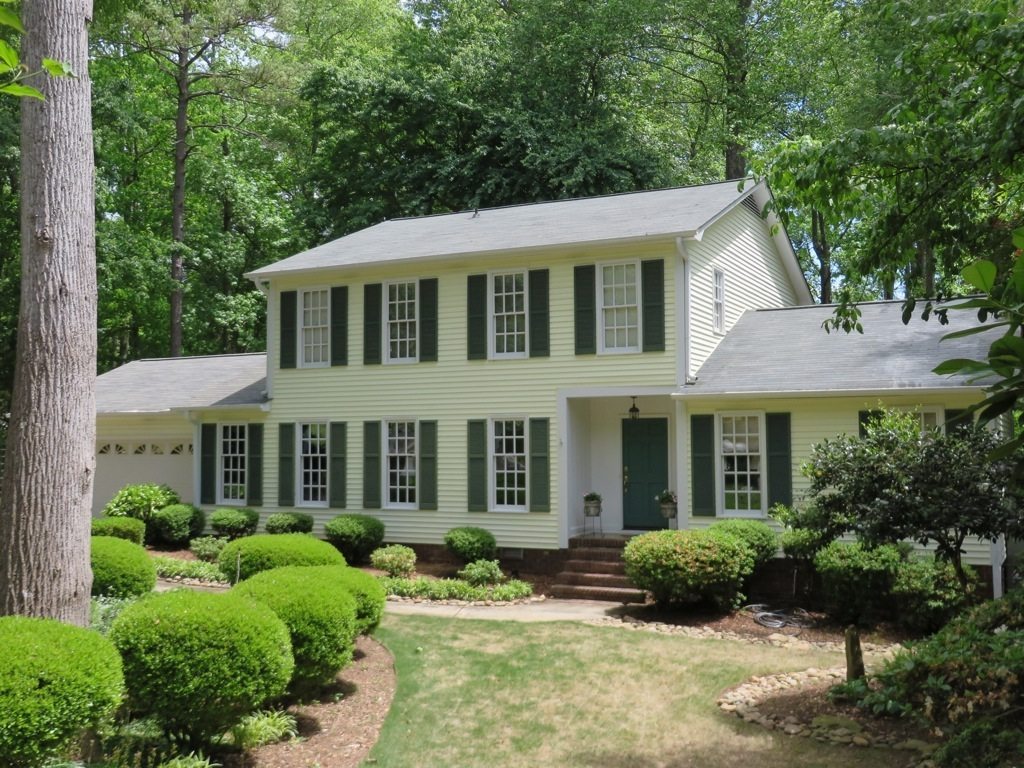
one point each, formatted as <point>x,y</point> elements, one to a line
<point>55,681</point>
<point>177,523</point>
<point>321,620</point>
<point>760,539</point>
<point>289,522</point>
<point>688,566</point>
<point>857,580</point>
<point>234,522</point>
<point>395,560</point>
<point>367,590</point>
<point>471,544</point>
<point>140,501</point>
<point>127,528</point>
<point>198,661</point>
<point>356,536</point>
<point>120,568</point>
<point>250,555</point>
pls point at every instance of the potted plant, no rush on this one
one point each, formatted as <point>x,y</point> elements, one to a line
<point>591,504</point>
<point>669,504</point>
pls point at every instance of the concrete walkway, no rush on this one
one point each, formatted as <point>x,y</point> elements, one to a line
<point>543,610</point>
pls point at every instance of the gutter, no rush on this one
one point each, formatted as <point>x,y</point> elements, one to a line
<point>777,395</point>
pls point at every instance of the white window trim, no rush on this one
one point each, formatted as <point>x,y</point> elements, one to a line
<point>385,488</point>
<point>492,490</point>
<point>385,340</point>
<point>720,473</point>
<point>717,322</point>
<point>599,284</point>
<point>298,464</point>
<point>300,341</point>
<point>220,465</point>
<point>491,354</point>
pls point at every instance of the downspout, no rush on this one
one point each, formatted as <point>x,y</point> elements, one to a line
<point>684,375</point>
<point>264,288</point>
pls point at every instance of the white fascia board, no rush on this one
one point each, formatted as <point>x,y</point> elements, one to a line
<point>797,393</point>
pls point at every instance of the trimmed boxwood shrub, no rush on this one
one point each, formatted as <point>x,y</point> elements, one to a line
<point>856,580</point>
<point>395,560</point>
<point>248,556</point>
<point>688,566</point>
<point>198,661</point>
<point>356,536</point>
<point>234,522</point>
<point>120,568</point>
<point>482,573</point>
<point>369,594</point>
<point>177,523</point>
<point>55,681</point>
<point>127,528</point>
<point>140,501</point>
<point>471,544</point>
<point>207,548</point>
<point>760,539</point>
<point>289,522</point>
<point>321,620</point>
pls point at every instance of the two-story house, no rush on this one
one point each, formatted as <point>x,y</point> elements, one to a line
<point>491,367</point>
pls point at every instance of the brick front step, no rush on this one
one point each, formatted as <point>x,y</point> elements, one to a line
<point>595,566</point>
<point>603,554</point>
<point>594,580</point>
<point>603,540</point>
<point>609,594</point>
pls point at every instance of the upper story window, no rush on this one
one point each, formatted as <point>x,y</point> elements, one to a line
<point>400,464</point>
<point>315,327</point>
<point>508,463</point>
<point>619,309</point>
<point>718,301</point>
<point>232,478</point>
<point>508,314</point>
<point>741,457</point>
<point>401,326</point>
<point>312,465</point>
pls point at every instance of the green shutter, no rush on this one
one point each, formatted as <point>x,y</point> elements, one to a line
<point>286,465</point>
<point>476,317</point>
<point>652,289</point>
<point>372,296</point>
<point>540,313</point>
<point>288,320</point>
<point>254,465</point>
<point>585,308</point>
<point>428,320</point>
<point>702,457</point>
<point>208,464</point>
<point>339,325</point>
<point>337,482</point>
<point>371,465</point>
<point>958,420</point>
<point>427,474</point>
<point>476,441</point>
<point>540,465</point>
<point>780,459</point>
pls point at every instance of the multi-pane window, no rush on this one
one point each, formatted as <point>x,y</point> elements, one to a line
<point>401,322</point>
<point>315,317</point>
<point>718,301</point>
<point>232,462</point>
<point>742,474</point>
<point>508,314</point>
<point>313,463</point>
<point>508,457</point>
<point>400,447</point>
<point>620,311</point>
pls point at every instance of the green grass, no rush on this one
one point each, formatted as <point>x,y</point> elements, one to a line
<point>510,695</point>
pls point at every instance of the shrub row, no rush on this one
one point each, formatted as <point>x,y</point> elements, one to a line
<point>456,589</point>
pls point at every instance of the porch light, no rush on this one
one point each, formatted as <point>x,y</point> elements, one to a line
<point>634,412</point>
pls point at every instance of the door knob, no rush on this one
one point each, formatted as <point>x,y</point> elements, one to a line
<point>625,478</point>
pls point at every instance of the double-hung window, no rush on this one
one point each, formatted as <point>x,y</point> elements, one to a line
<point>742,463</point>
<point>508,464</point>
<point>618,294</point>
<point>508,314</point>
<point>400,464</point>
<point>401,327</point>
<point>232,474</point>
<point>718,301</point>
<point>312,464</point>
<point>314,321</point>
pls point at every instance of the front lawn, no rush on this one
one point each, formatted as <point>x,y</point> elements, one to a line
<point>509,694</point>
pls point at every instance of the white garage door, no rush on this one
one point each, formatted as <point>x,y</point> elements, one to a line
<point>120,463</point>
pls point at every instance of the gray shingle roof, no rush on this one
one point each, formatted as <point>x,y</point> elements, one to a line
<point>172,383</point>
<point>787,350</point>
<point>664,212</point>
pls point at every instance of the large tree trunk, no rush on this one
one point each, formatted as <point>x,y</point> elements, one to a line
<point>819,239</point>
<point>47,486</point>
<point>736,95</point>
<point>178,195</point>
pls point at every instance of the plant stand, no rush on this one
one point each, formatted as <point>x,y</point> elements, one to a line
<point>592,513</point>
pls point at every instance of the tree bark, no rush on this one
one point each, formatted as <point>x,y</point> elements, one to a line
<point>178,193</point>
<point>819,239</point>
<point>736,96</point>
<point>46,492</point>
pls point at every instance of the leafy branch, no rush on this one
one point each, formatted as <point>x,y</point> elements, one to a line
<point>12,71</point>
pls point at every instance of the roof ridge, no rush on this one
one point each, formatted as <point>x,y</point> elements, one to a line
<point>198,357</point>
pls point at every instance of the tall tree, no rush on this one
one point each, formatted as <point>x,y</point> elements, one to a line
<point>46,492</point>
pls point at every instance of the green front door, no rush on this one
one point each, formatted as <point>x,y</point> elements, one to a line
<point>644,472</point>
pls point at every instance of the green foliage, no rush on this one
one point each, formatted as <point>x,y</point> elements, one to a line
<point>761,540</point>
<point>120,568</point>
<point>688,566</point>
<point>470,544</point>
<point>456,589</point>
<point>856,579</point>
<point>321,621</point>
<point>207,548</point>
<point>127,528</point>
<point>367,591</point>
<point>261,728</point>
<point>927,594</point>
<point>234,522</point>
<point>199,661</point>
<point>191,760</point>
<point>193,570</point>
<point>55,681</point>
<point>103,610</point>
<point>140,501</point>
<point>177,523</point>
<point>395,560</point>
<point>482,573</point>
<point>355,535</point>
<point>250,555</point>
<point>289,522</point>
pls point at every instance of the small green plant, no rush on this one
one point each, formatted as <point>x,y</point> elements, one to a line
<point>456,589</point>
<point>120,568</point>
<point>667,497</point>
<point>259,728</point>
<point>177,523</point>
<point>193,570</point>
<point>127,528</point>
<point>356,536</point>
<point>856,580</point>
<point>250,555</point>
<point>207,548</point>
<point>592,497</point>
<point>234,522</point>
<point>482,573</point>
<point>289,522</point>
<point>191,760</point>
<point>103,610</point>
<point>140,501</point>
<point>395,560</point>
<point>469,544</point>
